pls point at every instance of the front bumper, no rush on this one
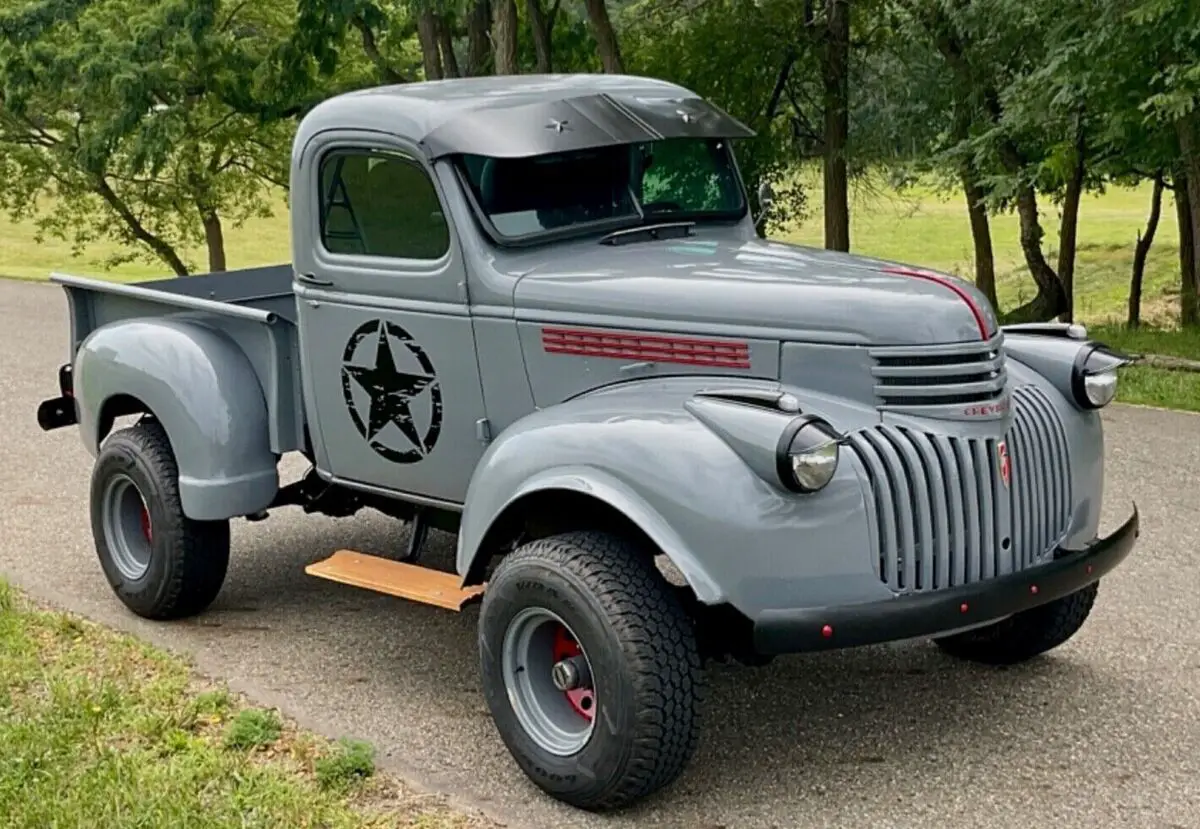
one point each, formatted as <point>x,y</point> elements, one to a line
<point>930,614</point>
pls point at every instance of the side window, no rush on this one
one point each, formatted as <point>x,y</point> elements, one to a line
<point>376,204</point>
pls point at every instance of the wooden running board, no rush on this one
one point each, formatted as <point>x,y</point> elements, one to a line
<point>396,578</point>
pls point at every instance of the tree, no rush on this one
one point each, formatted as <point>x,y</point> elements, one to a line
<point>108,110</point>
<point>541,24</point>
<point>606,36</point>
<point>743,55</point>
<point>504,36</point>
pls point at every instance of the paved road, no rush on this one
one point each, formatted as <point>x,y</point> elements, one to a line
<point>1104,733</point>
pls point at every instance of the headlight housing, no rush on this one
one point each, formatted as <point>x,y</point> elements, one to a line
<point>1094,376</point>
<point>807,454</point>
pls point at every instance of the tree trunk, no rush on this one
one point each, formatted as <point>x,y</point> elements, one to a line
<point>1141,251</point>
<point>835,78</point>
<point>479,23</point>
<point>1187,249</point>
<point>541,23</point>
<point>981,235</point>
<point>1189,308</point>
<point>427,34</point>
<point>606,37</point>
<point>1069,226</point>
<point>504,36</point>
<point>1050,300</point>
<point>214,238</point>
<point>161,248</point>
<point>387,72</point>
<point>445,37</point>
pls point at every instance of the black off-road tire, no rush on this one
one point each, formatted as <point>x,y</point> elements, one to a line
<point>644,658</point>
<point>1024,635</point>
<point>188,559</point>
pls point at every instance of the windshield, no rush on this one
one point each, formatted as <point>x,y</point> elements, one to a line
<point>677,179</point>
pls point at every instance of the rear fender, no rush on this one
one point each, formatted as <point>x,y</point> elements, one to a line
<point>200,386</point>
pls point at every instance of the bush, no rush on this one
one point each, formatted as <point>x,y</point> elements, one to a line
<point>350,761</point>
<point>253,728</point>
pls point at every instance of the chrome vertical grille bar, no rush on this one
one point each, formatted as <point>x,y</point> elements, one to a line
<point>936,558</point>
<point>922,509</point>
<point>956,567</point>
<point>987,510</point>
<point>973,501</point>
<point>885,506</point>
<point>940,511</point>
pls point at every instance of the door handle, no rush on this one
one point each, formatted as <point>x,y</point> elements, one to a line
<point>309,279</point>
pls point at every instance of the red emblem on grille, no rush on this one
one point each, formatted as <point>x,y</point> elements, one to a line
<point>1005,463</point>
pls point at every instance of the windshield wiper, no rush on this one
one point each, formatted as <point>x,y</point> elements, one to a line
<point>661,230</point>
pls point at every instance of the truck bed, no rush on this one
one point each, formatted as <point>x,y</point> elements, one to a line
<point>267,288</point>
<point>253,306</point>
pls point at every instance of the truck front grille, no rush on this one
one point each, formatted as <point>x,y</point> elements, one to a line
<point>962,373</point>
<point>942,515</point>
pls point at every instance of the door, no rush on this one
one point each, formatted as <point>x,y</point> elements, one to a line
<point>391,379</point>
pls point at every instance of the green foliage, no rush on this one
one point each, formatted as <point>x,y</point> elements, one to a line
<point>157,128</point>
<point>734,52</point>
<point>253,728</point>
<point>117,112</point>
<point>349,762</point>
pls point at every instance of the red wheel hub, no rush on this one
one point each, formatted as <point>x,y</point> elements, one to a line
<point>146,524</point>
<point>583,700</point>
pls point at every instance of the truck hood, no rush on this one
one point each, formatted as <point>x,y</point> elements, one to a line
<point>790,292</point>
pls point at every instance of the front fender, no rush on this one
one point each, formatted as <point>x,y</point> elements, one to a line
<point>200,386</point>
<point>736,537</point>
<point>603,486</point>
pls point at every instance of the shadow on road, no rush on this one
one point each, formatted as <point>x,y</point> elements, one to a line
<point>824,726</point>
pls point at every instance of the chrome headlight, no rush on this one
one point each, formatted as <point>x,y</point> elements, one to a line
<point>806,456</point>
<point>1094,376</point>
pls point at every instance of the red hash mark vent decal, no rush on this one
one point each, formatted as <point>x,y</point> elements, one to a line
<point>687,351</point>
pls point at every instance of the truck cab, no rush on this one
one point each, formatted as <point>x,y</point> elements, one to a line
<point>537,312</point>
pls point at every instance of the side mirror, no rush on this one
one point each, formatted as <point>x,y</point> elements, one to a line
<point>766,198</point>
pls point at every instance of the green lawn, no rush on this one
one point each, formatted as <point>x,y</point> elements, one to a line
<point>918,226</point>
<point>98,729</point>
<point>923,227</point>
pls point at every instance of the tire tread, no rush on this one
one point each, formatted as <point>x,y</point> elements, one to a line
<point>1025,635</point>
<point>660,647</point>
<point>199,549</point>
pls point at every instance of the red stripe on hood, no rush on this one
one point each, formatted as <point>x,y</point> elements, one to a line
<point>945,282</point>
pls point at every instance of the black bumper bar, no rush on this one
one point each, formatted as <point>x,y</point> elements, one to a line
<point>941,611</point>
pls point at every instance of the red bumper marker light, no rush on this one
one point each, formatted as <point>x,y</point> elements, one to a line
<point>1089,569</point>
<point>827,631</point>
<point>963,608</point>
<point>1033,589</point>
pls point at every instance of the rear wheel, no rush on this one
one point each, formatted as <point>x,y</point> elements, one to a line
<point>1024,635</point>
<point>590,668</point>
<point>160,563</point>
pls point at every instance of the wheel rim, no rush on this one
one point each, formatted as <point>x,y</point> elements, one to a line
<point>549,681</point>
<point>127,527</point>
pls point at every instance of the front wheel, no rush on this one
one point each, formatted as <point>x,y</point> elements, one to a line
<point>1024,635</point>
<point>160,563</point>
<point>590,669</point>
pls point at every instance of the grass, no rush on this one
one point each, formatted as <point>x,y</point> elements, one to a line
<point>923,227</point>
<point>98,729</point>
<point>918,226</point>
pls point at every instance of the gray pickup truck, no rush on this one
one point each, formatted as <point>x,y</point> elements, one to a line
<point>537,312</point>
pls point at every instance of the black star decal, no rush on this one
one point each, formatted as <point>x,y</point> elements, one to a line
<point>391,391</point>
